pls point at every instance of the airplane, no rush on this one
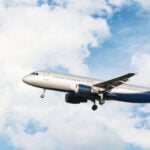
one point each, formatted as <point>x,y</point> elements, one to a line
<point>81,89</point>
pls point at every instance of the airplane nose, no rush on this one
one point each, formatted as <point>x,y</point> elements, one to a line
<point>25,79</point>
<point>28,80</point>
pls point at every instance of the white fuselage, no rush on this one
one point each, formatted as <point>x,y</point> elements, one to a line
<point>66,82</point>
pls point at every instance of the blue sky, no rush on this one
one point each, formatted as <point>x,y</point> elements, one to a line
<point>5,143</point>
<point>101,39</point>
<point>115,53</point>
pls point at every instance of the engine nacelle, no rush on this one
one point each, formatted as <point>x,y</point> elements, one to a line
<point>74,98</point>
<point>83,89</point>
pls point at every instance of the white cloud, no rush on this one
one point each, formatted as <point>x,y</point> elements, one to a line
<point>141,63</point>
<point>144,3</point>
<point>69,130</point>
<point>20,2</point>
<point>87,6</point>
<point>39,33</point>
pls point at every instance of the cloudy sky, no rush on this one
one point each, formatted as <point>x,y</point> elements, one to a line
<point>96,38</point>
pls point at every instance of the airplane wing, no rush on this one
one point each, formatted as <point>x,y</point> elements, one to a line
<point>110,84</point>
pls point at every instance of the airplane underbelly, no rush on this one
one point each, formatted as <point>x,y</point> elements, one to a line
<point>130,97</point>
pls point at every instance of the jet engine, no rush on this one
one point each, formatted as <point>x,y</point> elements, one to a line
<point>83,89</point>
<point>74,98</point>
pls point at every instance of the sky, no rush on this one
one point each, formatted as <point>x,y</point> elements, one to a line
<point>95,38</point>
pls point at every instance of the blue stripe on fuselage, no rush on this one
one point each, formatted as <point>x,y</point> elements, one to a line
<point>130,97</point>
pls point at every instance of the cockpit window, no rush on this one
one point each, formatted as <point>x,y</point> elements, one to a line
<point>35,73</point>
